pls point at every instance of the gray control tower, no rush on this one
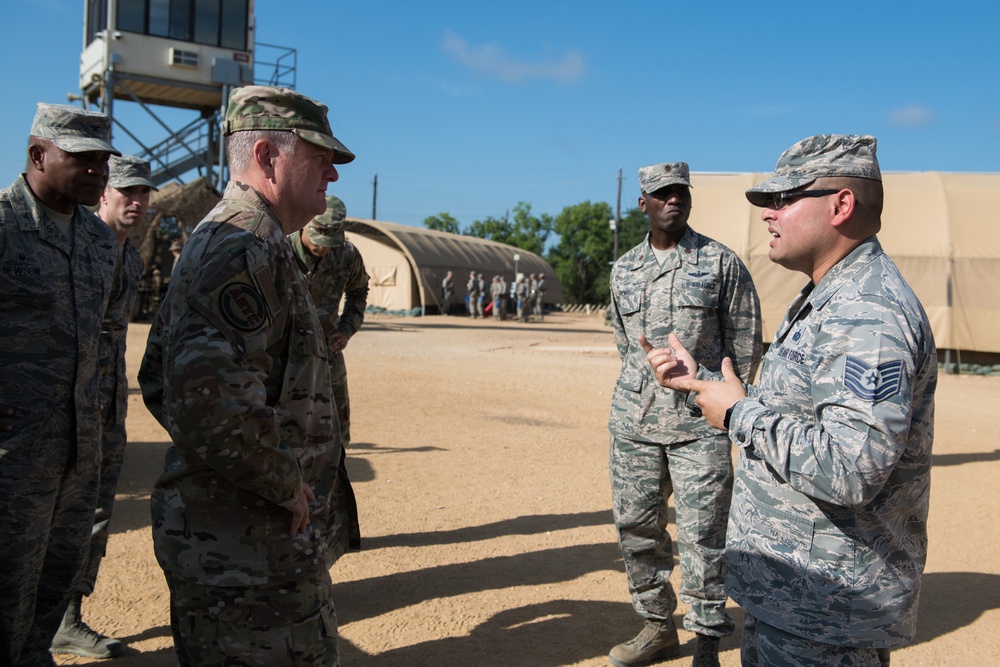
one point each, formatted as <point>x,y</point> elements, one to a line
<point>185,54</point>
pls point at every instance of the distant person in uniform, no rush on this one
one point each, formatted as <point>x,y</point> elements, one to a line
<point>675,280</point>
<point>480,296</point>
<point>335,270</point>
<point>236,372</point>
<point>447,291</point>
<point>496,290</point>
<point>472,295</point>
<point>123,206</point>
<point>539,298</point>
<point>521,292</point>
<point>175,251</point>
<point>60,271</point>
<point>828,530</point>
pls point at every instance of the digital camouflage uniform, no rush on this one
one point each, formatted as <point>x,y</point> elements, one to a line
<point>53,295</point>
<point>705,295</point>
<point>114,390</point>
<point>236,371</point>
<point>834,473</point>
<point>338,274</point>
<point>828,529</point>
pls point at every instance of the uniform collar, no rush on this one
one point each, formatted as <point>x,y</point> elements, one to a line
<point>686,252</point>
<point>842,273</point>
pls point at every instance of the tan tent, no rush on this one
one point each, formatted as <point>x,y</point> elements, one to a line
<point>942,230</point>
<point>407,264</point>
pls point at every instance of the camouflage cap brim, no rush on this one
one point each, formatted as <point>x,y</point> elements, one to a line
<point>325,239</point>
<point>123,183</point>
<point>340,153</point>
<point>83,145</point>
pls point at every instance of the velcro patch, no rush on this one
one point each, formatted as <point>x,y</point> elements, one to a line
<point>872,383</point>
<point>242,306</point>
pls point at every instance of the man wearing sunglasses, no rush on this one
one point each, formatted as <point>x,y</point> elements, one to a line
<point>827,535</point>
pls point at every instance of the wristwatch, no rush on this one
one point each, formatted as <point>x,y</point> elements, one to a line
<point>729,415</point>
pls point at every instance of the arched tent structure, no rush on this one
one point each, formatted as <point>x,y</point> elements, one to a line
<point>941,229</point>
<point>407,264</point>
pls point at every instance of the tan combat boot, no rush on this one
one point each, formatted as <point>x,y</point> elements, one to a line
<point>656,641</point>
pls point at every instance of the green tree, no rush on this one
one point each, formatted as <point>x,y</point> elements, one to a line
<point>442,222</point>
<point>632,230</point>
<point>530,232</point>
<point>493,229</point>
<point>525,231</point>
<point>582,258</point>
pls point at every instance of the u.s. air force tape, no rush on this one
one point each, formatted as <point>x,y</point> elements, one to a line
<point>242,306</point>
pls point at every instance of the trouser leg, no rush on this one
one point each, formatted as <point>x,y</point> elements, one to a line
<point>112,458</point>
<point>640,484</point>
<point>289,623</point>
<point>701,473</point>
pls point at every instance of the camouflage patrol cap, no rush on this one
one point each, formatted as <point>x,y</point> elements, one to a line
<point>327,229</point>
<point>271,108</point>
<point>127,171</point>
<point>821,155</point>
<point>73,129</point>
<point>657,176</point>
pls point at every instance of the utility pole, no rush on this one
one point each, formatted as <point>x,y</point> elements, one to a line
<point>375,195</point>
<point>618,212</point>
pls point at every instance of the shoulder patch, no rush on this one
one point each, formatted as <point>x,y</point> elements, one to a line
<point>872,383</point>
<point>243,306</point>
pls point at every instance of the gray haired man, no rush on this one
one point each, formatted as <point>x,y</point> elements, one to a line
<point>828,530</point>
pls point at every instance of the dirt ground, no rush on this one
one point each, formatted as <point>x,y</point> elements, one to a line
<point>480,465</point>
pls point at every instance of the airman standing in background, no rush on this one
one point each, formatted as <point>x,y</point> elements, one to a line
<point>123,206</point>
<point>676,280</point>
<point>335,270</point>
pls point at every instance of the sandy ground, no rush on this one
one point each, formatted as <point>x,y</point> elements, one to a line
<point>480,465</point>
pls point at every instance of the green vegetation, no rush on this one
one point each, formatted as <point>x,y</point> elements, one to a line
<point>583,253</point>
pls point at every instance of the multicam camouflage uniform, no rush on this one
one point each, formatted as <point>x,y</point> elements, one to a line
<point>827,534</point>
<point>704,293</point>
<point>53,296</point>
<point>339,273</point>
<point>236,372</point>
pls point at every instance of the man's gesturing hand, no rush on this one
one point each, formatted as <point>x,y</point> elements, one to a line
<point>675,368</point>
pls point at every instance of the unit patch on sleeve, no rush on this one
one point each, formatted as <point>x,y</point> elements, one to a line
<point>242,306</point>
<point>872,383</point>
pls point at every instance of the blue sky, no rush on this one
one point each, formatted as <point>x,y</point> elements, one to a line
<point>471,107</point>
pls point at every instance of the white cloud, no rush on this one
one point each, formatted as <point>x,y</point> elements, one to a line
<point>912,116</point>
<point>492,61</point>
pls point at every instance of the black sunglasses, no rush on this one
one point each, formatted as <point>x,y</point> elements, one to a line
<point>780,200</point>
